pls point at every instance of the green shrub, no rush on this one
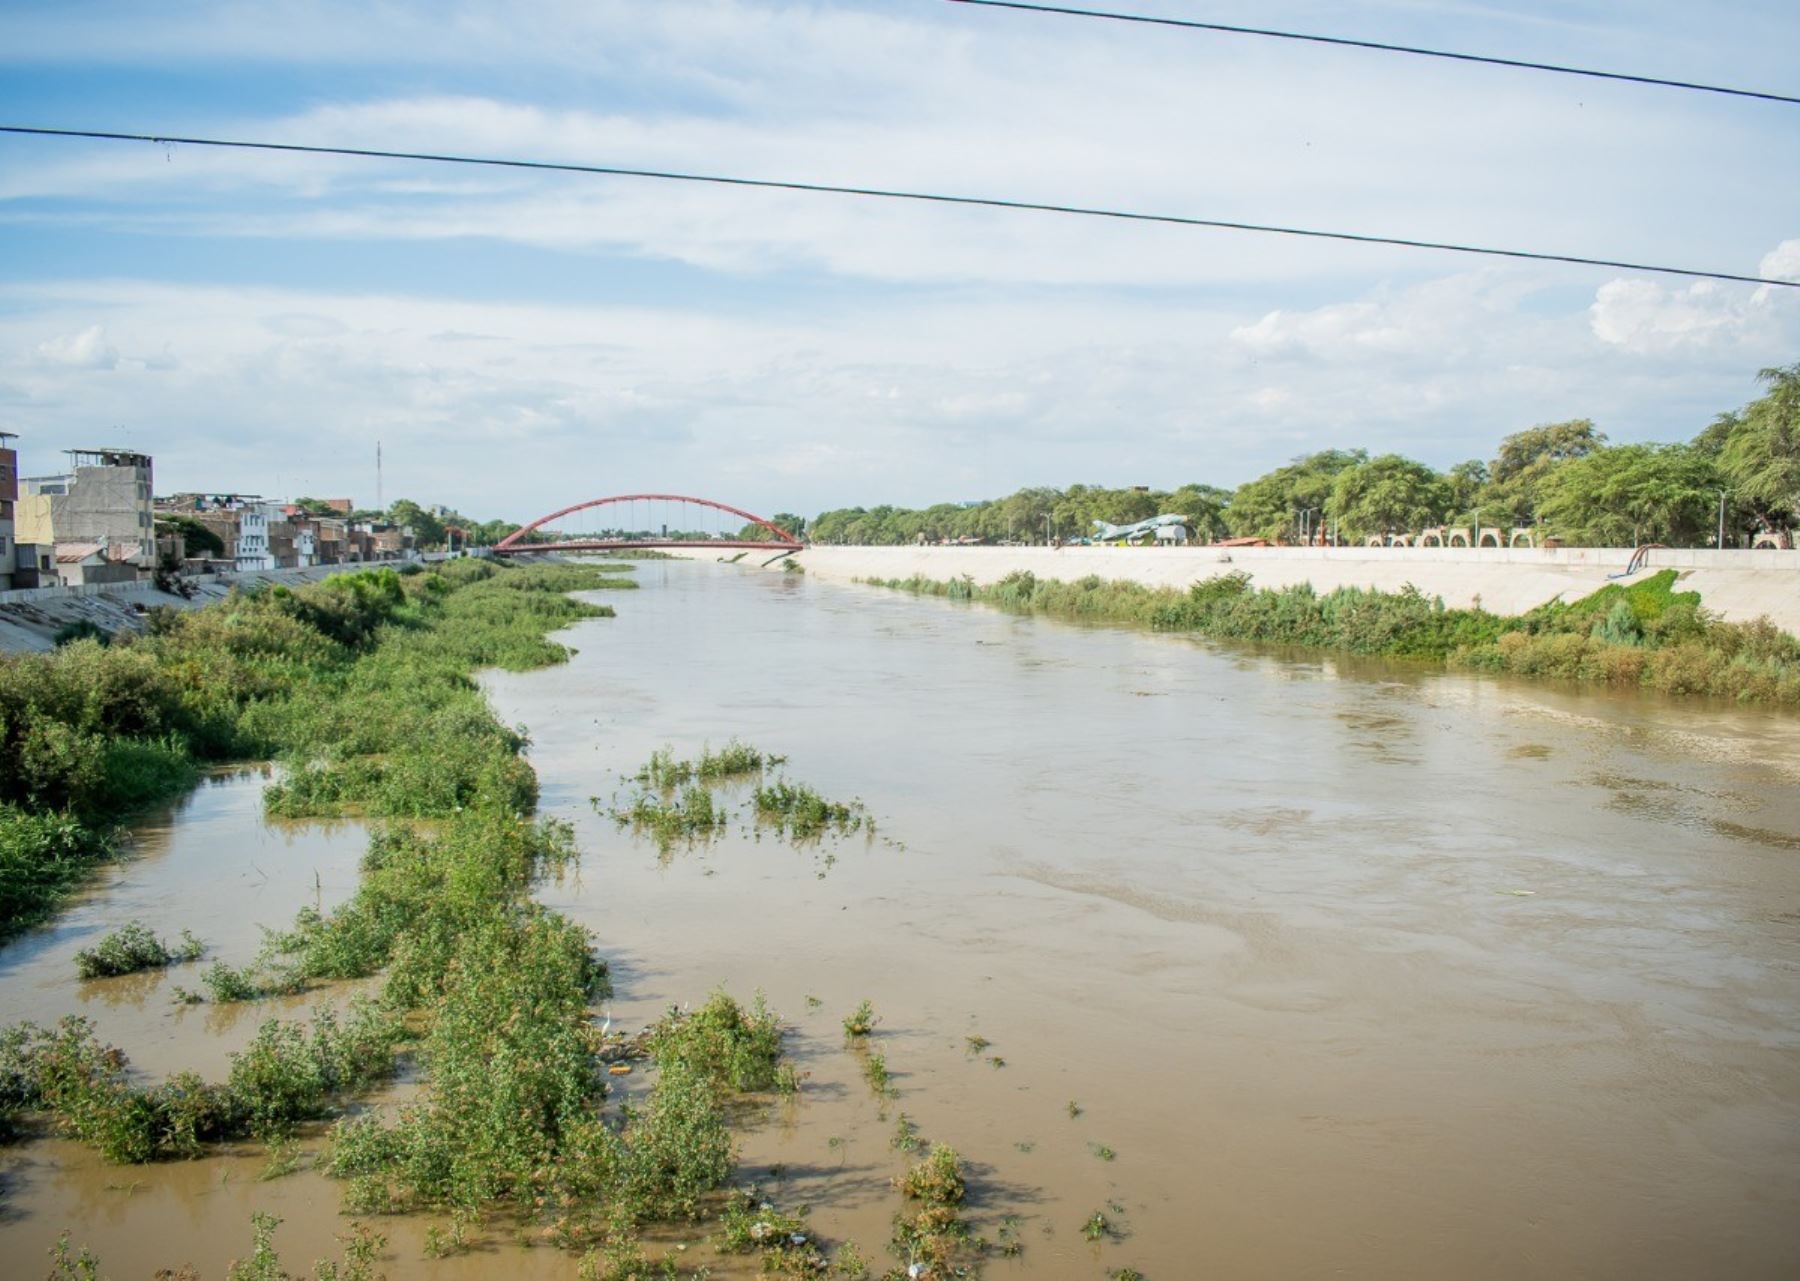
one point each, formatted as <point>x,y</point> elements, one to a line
<point>287,1074</point>
<point>930,1231</point>
<point>132,947</point>
<point>862,1020</point>
<point>733,1047</point>
<point>801,813</point>
<point>80,629</point>
<point>692,814</point>
<point>678,1148</point>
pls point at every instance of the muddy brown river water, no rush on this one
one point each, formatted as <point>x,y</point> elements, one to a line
<point>1357,971</point>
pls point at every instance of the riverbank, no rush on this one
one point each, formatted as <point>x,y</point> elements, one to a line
<point>31,617</point>
<point>1647,635</point>
<point>1738,586</point>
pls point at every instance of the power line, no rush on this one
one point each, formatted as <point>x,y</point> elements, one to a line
<point>888,193</point>
<point>1383,46</point>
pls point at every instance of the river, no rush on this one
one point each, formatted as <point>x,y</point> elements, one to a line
<point>1353,970</point>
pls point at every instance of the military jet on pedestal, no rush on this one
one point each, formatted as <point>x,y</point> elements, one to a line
<point>1105,533</point>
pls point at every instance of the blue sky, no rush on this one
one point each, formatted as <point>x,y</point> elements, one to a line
<point>522,342</point>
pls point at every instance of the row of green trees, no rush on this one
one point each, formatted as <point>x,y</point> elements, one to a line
<point>1564,479</point>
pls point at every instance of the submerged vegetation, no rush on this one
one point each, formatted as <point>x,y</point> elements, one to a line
<point>862,1020</point>
<point>801,813</point>
<point>665,771</point>
<point>1646,635</point>
<point>131,948</point>
<point>363,688</point>
<point>676,803</point>
<point>288,1074</point>
<point>362,1247</point>
<point>930,1234</point>
<point>692,814</point>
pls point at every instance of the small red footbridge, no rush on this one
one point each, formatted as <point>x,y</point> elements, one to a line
<point>627,522</point>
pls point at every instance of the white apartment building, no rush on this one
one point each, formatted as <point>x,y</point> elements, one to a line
<point>254,519</point>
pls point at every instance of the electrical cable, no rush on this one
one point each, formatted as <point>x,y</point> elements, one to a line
<point>1271,33</point>
<point>884,193</point>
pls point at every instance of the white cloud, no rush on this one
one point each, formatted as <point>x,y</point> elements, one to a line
<point>1648,318</point>
<point>513,408</point>
<point>84,349</point>
<point>1782,262</point>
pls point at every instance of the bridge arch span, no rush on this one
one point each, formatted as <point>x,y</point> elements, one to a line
<point>779,538</point>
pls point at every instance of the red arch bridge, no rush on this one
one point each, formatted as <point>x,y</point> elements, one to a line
<point>633,521</point>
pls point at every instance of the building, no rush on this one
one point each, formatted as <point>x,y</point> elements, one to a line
<point>9,497</point>
<point>293,543</point>
<point>33,566</point>
<point>256,521</point>
<point>384,541</point>
<point>331,537</point>
<point>104,498</point>
<point>79,563</point>
<point>317,540</point>
<point>247,525</point>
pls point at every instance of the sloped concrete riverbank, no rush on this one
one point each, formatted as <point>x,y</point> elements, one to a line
<point>31,617</point>
<point>1738,585</point>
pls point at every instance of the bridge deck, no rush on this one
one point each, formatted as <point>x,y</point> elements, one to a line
<point>646,544</point>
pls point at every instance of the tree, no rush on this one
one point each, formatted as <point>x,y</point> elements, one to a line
<point>428,530</point>
<point>196,538</point>
<point>488,532</point>
<point>1526,460</point>
<point>1632,494</point>
<point>1543,446</point>
<point>1026,515</point>
<point>1271,506</point>
<point>1389,494</point>
<point>1466,481</point>
<point>1204,506</point>
<point>1760,457</point>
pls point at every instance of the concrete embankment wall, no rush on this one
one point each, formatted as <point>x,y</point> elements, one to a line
<point>30,617</point>
<point>1739,585</point>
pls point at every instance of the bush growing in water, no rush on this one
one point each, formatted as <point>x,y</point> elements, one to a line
<point>801,812</point>
<point>930,1232</point>
<point>693,814</point>
<point>732,1046</point>
<point>665,773</point>
<point>286,1075</point>
<point>862,1020</point>
<point>131,948</point>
